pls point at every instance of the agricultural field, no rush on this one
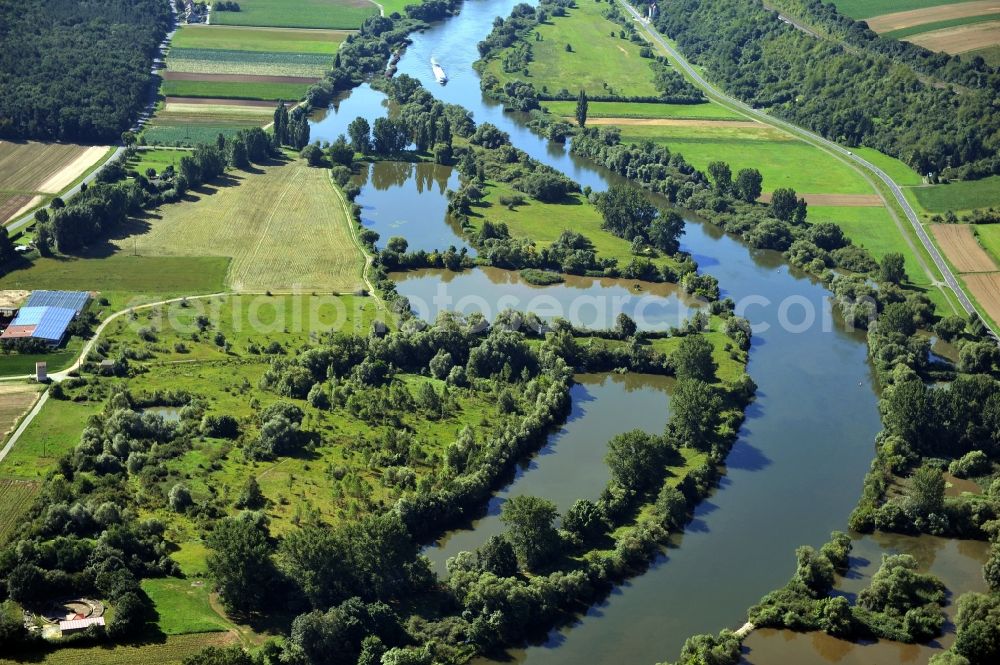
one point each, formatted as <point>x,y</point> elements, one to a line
<point>15,498</point>
<point>783,160</point>
<point>960,195</point>
<point>989,238</point>
<point>335,14</point>
<point>952,27</point>
<point>864,9</point>
<point>170,651</point>
<point>705,111</point>
<point>959,243</point>
<point>191,60</point>
<point>32,172</point>
<point>875,230</point>
<point>598,64</point>
<point>235,89</point>
<point>53,432</point>
<point>284,228</point>
<point>189,126</point>
<point>985,288</point>
<point>261,40</point>
<point>16,399</point>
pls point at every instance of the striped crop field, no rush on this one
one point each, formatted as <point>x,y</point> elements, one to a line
<point>262,40</point>
<point>248,62</point>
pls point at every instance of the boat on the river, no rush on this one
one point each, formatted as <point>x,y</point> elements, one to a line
<point>439,74</point>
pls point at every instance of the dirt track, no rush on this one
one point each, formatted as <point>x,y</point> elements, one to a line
<point>986,288</point>
<point>961,39</point>
<point>844,200</point>
<point>671,122</point>
<point>237,78</point>
<point>962,249</point>
<point>900,20</point>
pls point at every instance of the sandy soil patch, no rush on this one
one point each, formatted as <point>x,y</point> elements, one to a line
<point>671,122</point>
<point>237,78</point>
<point>26,165</point>
<point>900,20</point>
<point>960,39</point>
<point>962,248</point>
<point>65,176</point>
<point>15,400</point>
<point>16,205</point>
<point>986,288</point>
<point>221,109</point>
<point>843,200</point>
<point>219,101</point>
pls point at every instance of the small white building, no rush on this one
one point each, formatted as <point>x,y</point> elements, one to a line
<point>41,371</point>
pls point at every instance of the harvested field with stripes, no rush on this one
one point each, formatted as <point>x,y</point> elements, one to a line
<point>15,498</point>
<point>237,78</point>
<point>248,62</point>
<point>915,17</point>
<point>285,228</point>
<point>47,168</point>
<point>985,287</point>
<point>12,205</point>
<point>961,39</point>
<point>265,40</point>
<point>962,248</point>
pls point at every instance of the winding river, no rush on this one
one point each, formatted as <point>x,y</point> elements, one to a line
<point>793,476</point>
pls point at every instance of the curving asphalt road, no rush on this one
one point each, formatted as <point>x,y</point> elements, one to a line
<point>714,93</point>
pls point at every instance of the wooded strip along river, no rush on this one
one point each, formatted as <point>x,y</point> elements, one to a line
<point>793,476</point>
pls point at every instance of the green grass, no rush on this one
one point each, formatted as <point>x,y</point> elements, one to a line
<point>213,61</point>
<point>165,133</point>
<point>120,273</point>
<point>896,169</point>
<point>596,59</point>
<point>706,111</point>
<point>544,222</point>
<point>960,195</point>
<point>343,14</point>
<point>254,39</point>
<point>172,651</point>
<point>989,238</point>
<point>781,159</point>
<point>54,432</point>
<point>234,90</point>
<point>873,229</point>
<point>939,25</point>
<point>16,496</point>
<point>867,8</point>
<point>17,364</point>
<point>391,6</point>
<point>991,54</point>
<point>183,609</point>
<point>155,159</point>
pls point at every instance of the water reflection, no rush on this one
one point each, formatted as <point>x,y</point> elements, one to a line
<point>408,200</point>
<point>591,302</point>
<point>571,464</point>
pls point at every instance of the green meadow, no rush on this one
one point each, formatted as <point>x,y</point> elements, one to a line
<point>267,40</point>
<point>595,60</point>
<point>157,159</point>
<point>182,606</point>
<point>781,159</point>
<point>873,229</point>
<point>705,111</point>
<point>860,9</point>
<point>336,14</point>
<point>544,222</point>
<point>234,90</point>
<point>989,238</point>
<point>960,195</point>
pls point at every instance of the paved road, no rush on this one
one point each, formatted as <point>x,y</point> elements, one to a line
<point>896,191</point>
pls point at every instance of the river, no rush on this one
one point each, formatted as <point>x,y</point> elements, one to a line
<point>794,474</point>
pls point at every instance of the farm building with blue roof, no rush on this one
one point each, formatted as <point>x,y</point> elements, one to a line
<point>46,316</point>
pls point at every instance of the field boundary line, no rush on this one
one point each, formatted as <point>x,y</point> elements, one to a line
<point>352,227</point>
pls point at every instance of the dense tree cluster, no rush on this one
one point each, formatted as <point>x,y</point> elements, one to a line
<point>868,96</point>
<point>75,71</point>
